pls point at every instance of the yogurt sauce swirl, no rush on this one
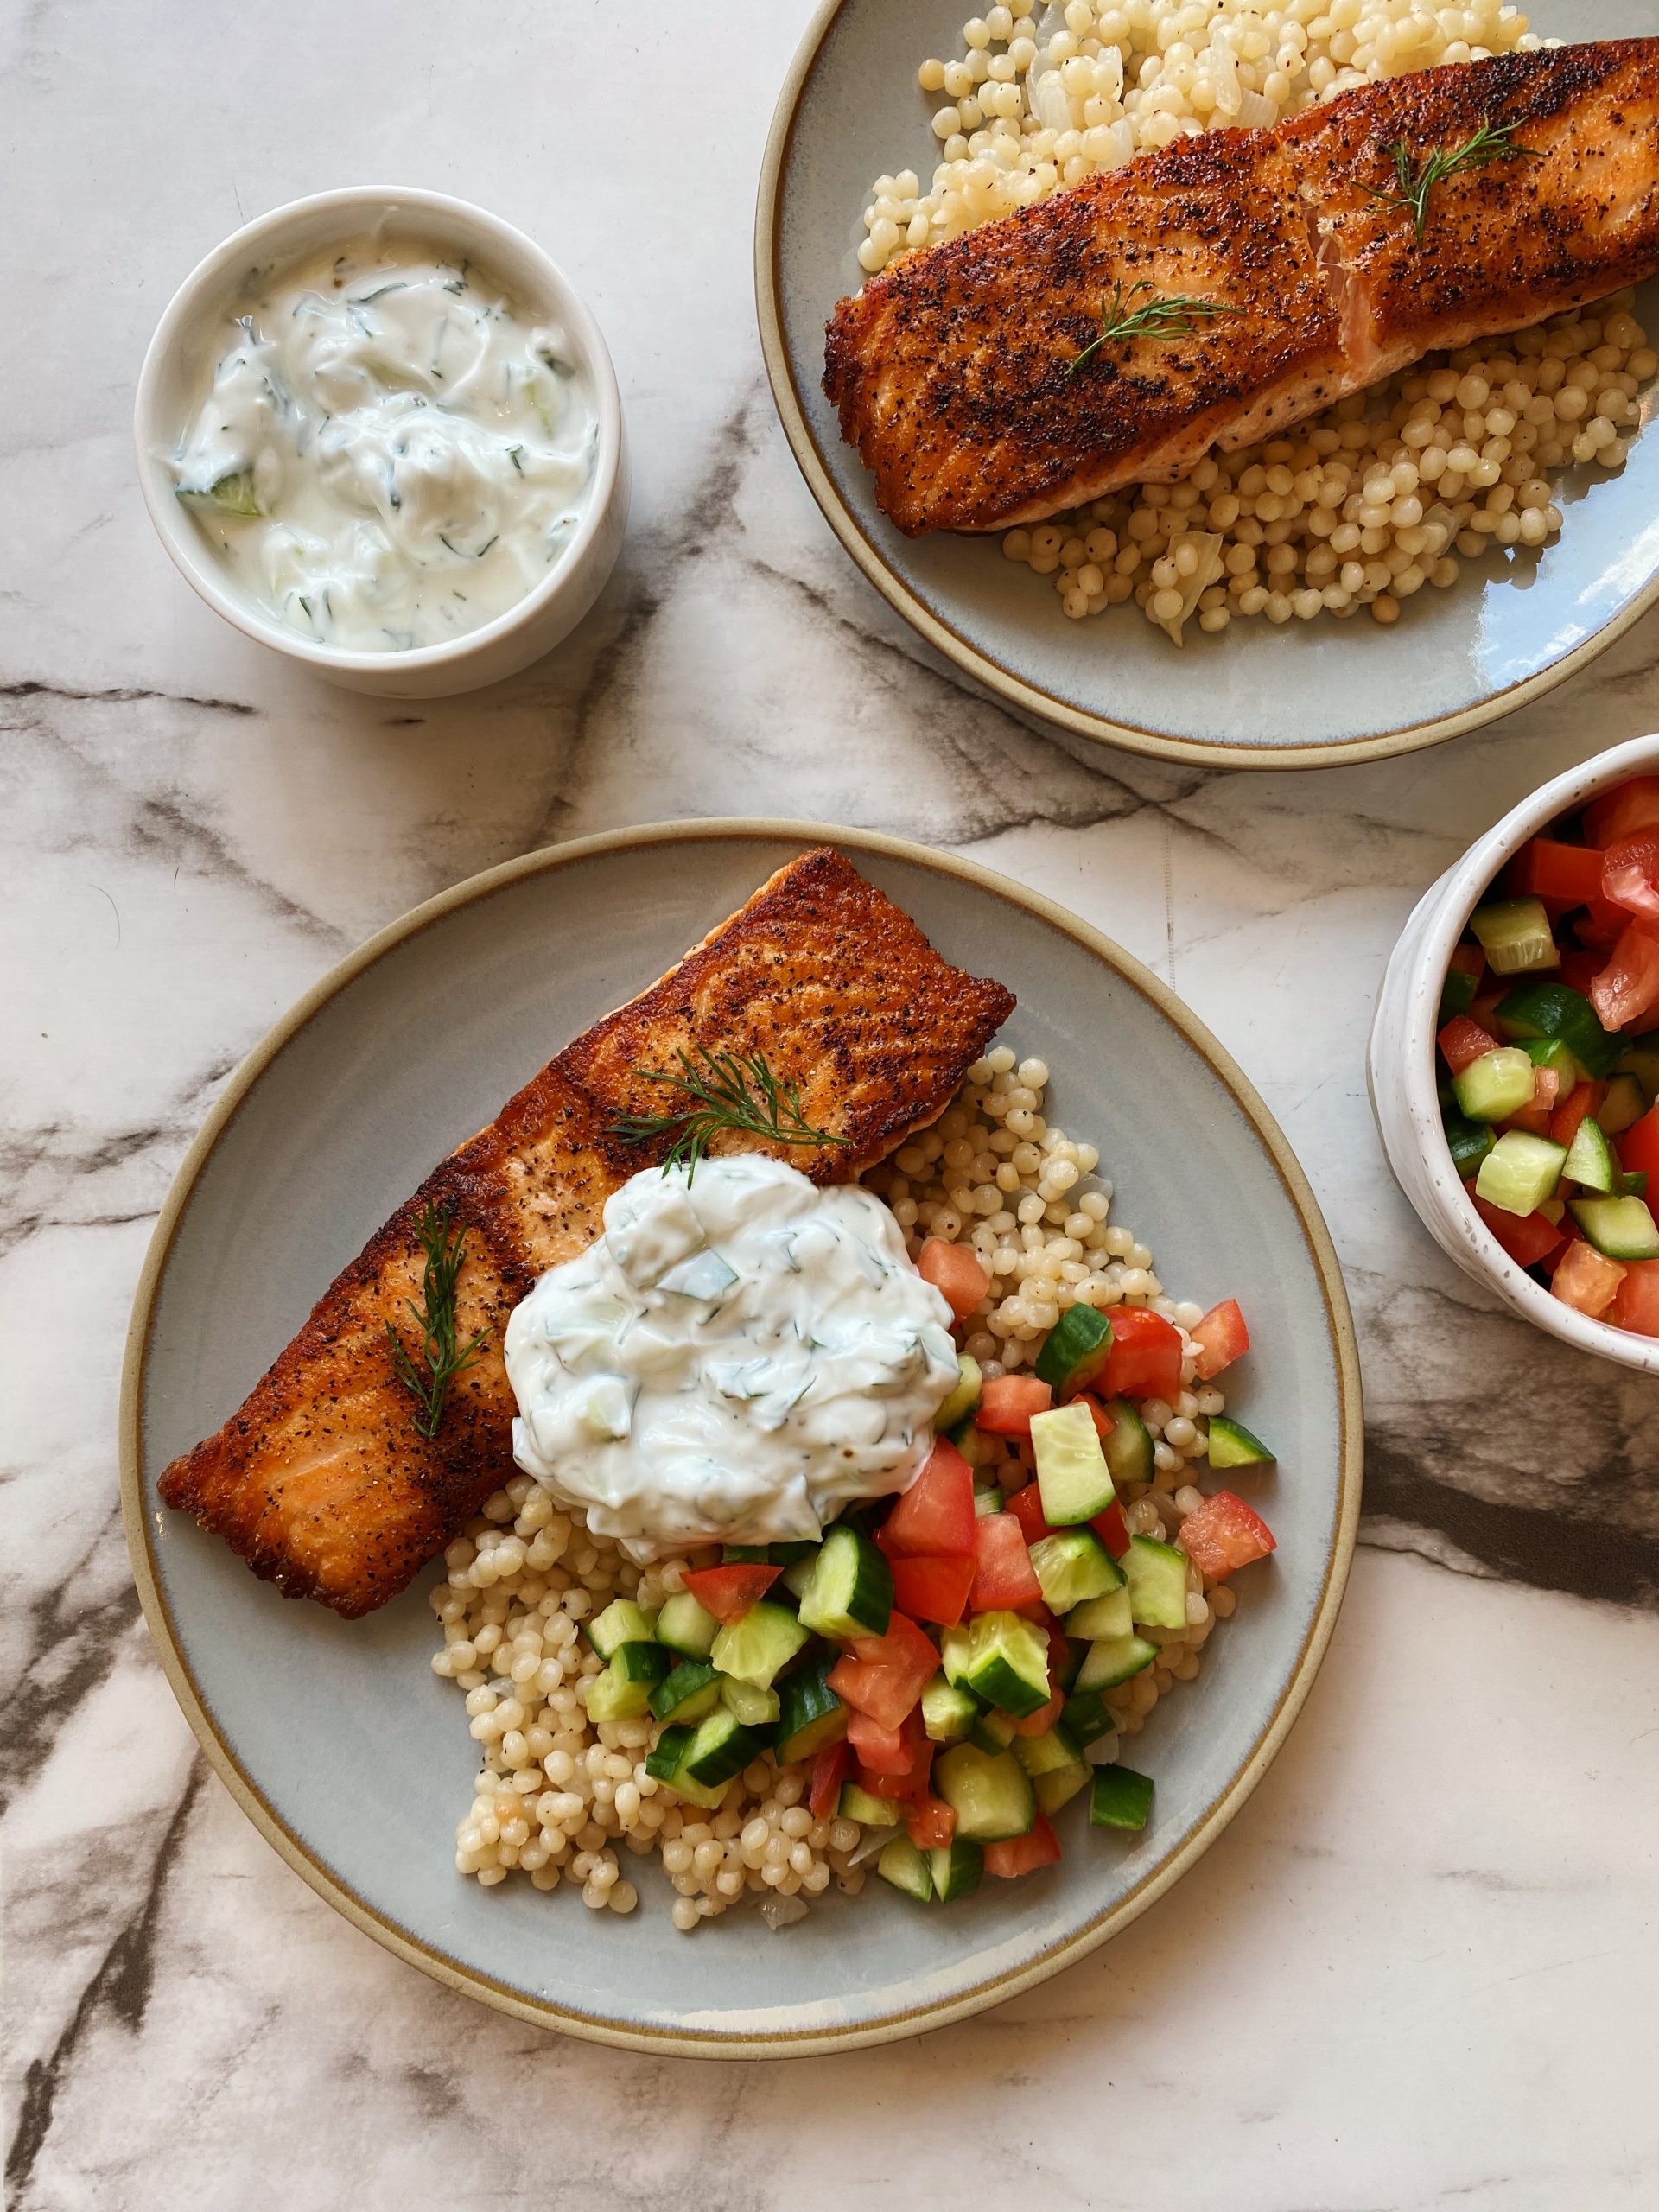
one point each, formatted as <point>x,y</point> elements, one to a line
<point>736,1358</point>
<point>386,455</point>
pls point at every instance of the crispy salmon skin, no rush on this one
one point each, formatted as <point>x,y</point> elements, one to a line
<point>320,1480</point>
<point>967,375</point>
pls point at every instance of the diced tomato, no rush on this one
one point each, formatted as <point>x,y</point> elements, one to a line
<point>904,1788</point>
<point>1225,1534</point>
<point>1528,1238</point>
<point>1546,1089</point>
<point>1630,806</point>
<point>1221,1337</point>
<point>931,1825</point>
<point>1564,875</point>
<point>1005,1577</point>
<point>1586,1280</point>
<point>824,1787</point>
<point>1039,1723</point>
<point>1484,1011</point>
<point>1579,970</point>
<point>729,1591</point>
<point>1628,986</point>
<point>880,1751</point>
<point>1462,1042</point>
<point>1533,1119</point>
<point>1027,1507</point>
<point>1145,1360</point>
<point>934,1589</point>
<point>1468,960</point>
<point>1582,1103</point>
<point>1637,1305</point>
<point>1112,1529</point>
<point>1008,1402</point>
<point>883,1677</point>
<point>1638,1151</point>
<point>956,1269</point>
<point>934,1519</point>
<point>1103,1423</point>
<point>1601,925</point>
<point>1024,1855</point>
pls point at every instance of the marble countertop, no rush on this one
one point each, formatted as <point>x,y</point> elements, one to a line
<point>1419,1968</point>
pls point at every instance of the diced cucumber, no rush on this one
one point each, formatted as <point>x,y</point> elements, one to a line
<point>987,1501</point>
<point>810,1714</point>
<point>1157,1578</point>
<point>1457,995</point>
<point>1542,1009</point>
<point>1468,1142</point>
<point>1061,1785</point>
<point>962,1400</point>
<point>794,1579</point>
<point>948,1713</point>
<point>686,1626</point>
<point>1520,1171</point>
<point>1497,1084</point>
<point>1640,1058</point>
<point>1073,1476</point>
<point>989,1791</point>
<point>1008,1664</point>
<point>1075,1351</point>
<point>745,1555</point>
<point>641,1663</point>
<point>1057,1768</point>
<point>1550,1052</point>
<point>850,1590</point>
<point>664,1757</point>
<point>1635,1184</point>
<point>1121,1798</point>
<point>621,1622</point>
<point>1590,1161</point>
<point>1622,1228</point>
<point>992,1731</point>
<point>757,1648</point>
<point>1113,1659</point>
<point>1072,1567</point>
<point>618,1695</point>
<point>1086,1716</point>
<point>1231,1444</point>
<point>956,1868</point>
<point>1516,936</point>
<point>1128,1448</point>
<point>690,1692</point>
<point>1623,1106</point>
<point>1107,1615</point>
<point>722,1747</point>
<point>955,1653</point>
<point>755,1708</point>
<point>856,1804</point>
<point>1064,1657</point>
<point>233,491</point>
<point>906,1868</point>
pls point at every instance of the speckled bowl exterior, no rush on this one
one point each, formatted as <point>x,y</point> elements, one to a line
<point>335,1736</point>
<point>1401,1065</point>
<point>178,353</point>
<point>1311,694</point>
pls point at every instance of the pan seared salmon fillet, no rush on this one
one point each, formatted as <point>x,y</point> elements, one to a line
<point>956,372</point>
<point>321,1480</point>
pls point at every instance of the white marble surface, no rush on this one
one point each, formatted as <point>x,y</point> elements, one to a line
<point>1419,1969</point>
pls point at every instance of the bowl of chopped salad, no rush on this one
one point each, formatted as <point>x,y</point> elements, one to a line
<point>1514,1063</point>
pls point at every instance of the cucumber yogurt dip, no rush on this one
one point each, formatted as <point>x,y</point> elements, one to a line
<point>386,454</point>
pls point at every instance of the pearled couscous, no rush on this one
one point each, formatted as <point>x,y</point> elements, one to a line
<point>564,1800</point>
<point>1363,505</point>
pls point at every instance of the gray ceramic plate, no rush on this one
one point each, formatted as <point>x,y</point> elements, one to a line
<point>1309,696</point>
<point>341,1112</point>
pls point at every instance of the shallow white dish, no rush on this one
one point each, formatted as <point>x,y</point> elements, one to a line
<point>1400,1068</point>
<point>174,364</point>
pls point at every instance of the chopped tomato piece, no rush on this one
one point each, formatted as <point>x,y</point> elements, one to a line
<point>934,1589</point>
<point>1582,1103</point>
<point>1630,806</point>
<point>1528,1238</point>
<point>1005,1577</point>
<point>934,1519</point>
<point>1027,1507</point>
<point>904,1788</point>
<point>1221,1337</point>
<point>1563,875</point>
<point>1039,1723</point>
<point>1533,1119</point>
<point>1601,923</point>
<point>1145,1360</point>
<point>1225,1534</point>
<point>883,1677</point>
<point>1008,1402</point>
<point>1023,1854</point>
<point>1579,970</point>
<point>1468,960</point>
<point>931,1825</point>
<point>1103,1423</point>
<point>916,1749</point>
<point>1628,986</point>
<point>880,1751</point>
<point>956,1269</point>
<point>1638,1151</point>
<point>729,1591</point>
<point>1637,1305</point>
<point>1112,1529</point>
<point>1546,1089</point>
<point>1586,1280</point>
<point>1462,1042</point>
<point>824,1787</point>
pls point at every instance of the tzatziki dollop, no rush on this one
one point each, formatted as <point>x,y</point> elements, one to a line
<point>738,1355</point>
<point>386,455</point>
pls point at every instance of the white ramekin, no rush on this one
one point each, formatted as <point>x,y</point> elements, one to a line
<point>178,355</point>
<point>1401,1063</point>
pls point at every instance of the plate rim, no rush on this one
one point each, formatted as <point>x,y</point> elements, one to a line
<point>973,660</point>
<point>407,1943</point>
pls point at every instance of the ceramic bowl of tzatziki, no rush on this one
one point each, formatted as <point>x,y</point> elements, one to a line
<point>379,431</point>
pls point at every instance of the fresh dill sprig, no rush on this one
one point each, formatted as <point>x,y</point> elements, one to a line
<point>728,1090</point>
<point>1493,141</point>
<point>1166,316</point>
<point>427,1378</point>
